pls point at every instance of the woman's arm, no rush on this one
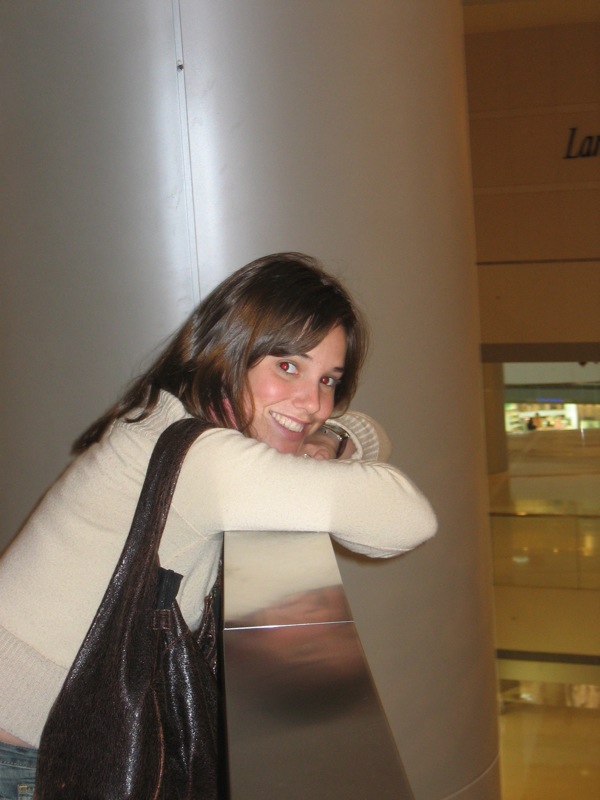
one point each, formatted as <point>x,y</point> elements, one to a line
<point>230,482</point>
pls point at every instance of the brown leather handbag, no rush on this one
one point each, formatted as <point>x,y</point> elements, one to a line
<point>137,716</point>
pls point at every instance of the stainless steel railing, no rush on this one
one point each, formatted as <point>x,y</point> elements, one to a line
<point>303,716</point>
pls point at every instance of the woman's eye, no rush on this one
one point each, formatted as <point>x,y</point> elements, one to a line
<point>288,367</point>
<point>327,380</point>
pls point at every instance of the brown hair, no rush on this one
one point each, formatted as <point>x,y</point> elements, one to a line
<point>281,304</point>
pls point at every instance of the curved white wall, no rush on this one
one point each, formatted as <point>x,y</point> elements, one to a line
<point>96,267</point>
<point>340,129</point>
<point>336,128</point>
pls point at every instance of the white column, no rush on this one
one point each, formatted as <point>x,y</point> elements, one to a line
<point>339,128</point>
<point>96,268</point>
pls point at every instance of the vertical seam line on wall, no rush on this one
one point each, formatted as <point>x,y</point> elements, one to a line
<point>188,186</point>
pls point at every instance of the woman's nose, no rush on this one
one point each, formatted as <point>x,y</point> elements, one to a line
<point>307,397</point>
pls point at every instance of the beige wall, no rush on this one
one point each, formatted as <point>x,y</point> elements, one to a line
<point>537,213</point>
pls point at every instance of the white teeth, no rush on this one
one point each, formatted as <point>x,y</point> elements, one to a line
<point>286,422</point>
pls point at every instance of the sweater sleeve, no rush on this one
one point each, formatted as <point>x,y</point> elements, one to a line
<point>230,482</point>
<point>370,440</point>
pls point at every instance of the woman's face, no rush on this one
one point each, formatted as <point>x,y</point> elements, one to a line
<point>294,394</point>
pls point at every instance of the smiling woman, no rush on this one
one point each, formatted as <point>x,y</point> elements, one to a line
<point>291,398</point>
<point>269,356</point>
<point>282,306</point>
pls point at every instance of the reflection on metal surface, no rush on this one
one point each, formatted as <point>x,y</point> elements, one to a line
<point>303,716</point>
<point>262,571</point>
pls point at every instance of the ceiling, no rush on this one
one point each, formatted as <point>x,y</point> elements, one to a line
<point>497,15</point>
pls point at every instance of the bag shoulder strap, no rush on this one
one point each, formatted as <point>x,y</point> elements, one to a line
<point>160,481</point>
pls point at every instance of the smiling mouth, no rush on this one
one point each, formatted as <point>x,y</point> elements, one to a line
<point>287,423</point>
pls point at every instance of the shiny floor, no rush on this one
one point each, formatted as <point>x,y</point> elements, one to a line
<point>550,753</point>
<point>545,515</point>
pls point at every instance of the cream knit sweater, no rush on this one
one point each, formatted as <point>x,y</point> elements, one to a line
<point>54,575</point>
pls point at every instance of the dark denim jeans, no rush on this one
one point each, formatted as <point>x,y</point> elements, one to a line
<point>17,772</point>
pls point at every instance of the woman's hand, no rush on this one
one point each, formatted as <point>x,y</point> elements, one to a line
<point>323,447</point>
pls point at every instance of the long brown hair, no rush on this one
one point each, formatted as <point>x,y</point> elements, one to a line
<point>277,305</point>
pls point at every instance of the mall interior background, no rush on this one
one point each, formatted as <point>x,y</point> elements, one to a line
<point>534,92</point>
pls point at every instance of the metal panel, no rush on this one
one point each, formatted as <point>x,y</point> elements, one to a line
<point>96,261</point>
<point>303,715</point>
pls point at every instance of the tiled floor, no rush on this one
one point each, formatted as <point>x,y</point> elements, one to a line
<point>550,753</point>
<point>546,532</point>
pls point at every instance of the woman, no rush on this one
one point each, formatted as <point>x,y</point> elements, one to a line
<point>268,358</point>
